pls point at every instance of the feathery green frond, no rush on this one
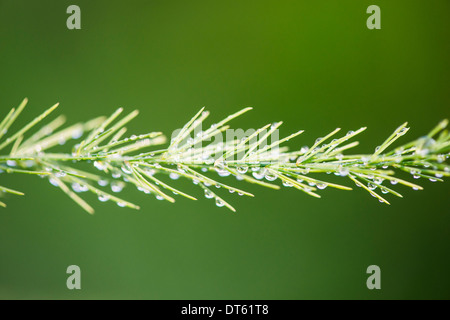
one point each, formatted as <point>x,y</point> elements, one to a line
<point>257,157</point>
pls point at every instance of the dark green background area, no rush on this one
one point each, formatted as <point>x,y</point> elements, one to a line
<point>312,64</point>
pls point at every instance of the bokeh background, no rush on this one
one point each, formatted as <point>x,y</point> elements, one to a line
<point>313,64</point>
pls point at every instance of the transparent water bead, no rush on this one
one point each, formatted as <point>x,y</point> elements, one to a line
<point>304,149</point>
<point>394,181</point>
<point>287,184</point>
<point>219,202</point>
<point>159,197</point>
<point>102,182</point>
<point>242,169</point>
<point>343,171</point>
<point>259,174</point>
<point>11,163</point>
<point>126,169</point>
<point>77,133</point>
<point>222,171</point>
<point>79,188</point>
<point>371,186</point>
<point>270,176</point>
<point>174,176</point>
<point>53,182</point>
<point>321,185</point>
<point>117,186</point>
<point>440,158</point>
<point>99,165</point>
<point>103,197</point>
<point>116,175</point>
<point>402,131</point>
<point>121,204</point>
<point>378,180</point>
<point>60,174</point>
<point>209,194</point>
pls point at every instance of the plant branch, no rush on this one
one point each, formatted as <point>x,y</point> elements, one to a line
<point>257,157</point>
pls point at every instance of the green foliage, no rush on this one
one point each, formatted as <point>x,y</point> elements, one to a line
<point>121,161</point>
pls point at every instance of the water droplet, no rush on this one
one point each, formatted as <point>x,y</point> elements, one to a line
<point>371,186</point>
<point>99,165</point>
<point>209,194</point>
<point>174,176</point>
<point>287,184</point>
<point>311,183</point>
<point>103,197</point>
<point>77,133</point>
<point>304,149</point>
<point>242,169</point>
<point>270,176</point>
<point>11,163</point>
<point>378,180</point>
<point>126,169</point>
<point>116,175</point>
<point>61,140</point>
<point>159,197</point>
<point>350,133</point>
<point>121,204</point>
<point>433,180</point>
<point>231,190</point>
<point>79,188</point>
<point>402,131</point>
<point>259,174</point>
<point>321,185</point>
<point>54,182</point>
<point>195,181</point>
<point>343,171</point>
<point>117,186</point>
<point>415,188</point>
<point>440,158</point>
<point>102,183</point>
<point>394,181</point>
<point>383,190</point>
<point>221,170</point>
<point>438,175</point>
<point>219,202</point>
<point>60,174</point>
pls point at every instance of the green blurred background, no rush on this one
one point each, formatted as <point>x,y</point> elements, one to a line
<point>313,64</point>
